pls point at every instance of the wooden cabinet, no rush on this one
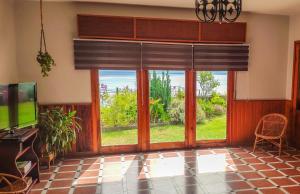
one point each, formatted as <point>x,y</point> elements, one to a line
<point>225,32</point>
<point>19,147</point>
<point>169,30</point>
<point>157,29</point>
<point>105,27</point>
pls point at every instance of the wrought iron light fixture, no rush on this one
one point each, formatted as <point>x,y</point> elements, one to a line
<point>225,10</point>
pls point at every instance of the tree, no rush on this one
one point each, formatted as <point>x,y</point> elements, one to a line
<point>160,89</point>
<point>207,84</point>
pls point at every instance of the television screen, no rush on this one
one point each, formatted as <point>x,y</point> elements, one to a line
<point>4,113</point>
<point>27,113</point>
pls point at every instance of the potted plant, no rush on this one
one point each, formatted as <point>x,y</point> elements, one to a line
<point>57,133</point>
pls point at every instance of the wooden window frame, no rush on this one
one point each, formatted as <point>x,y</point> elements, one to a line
<point>295,114</point>
<point>188,109</point>
<point>144,117</point>
<point>230,99</point>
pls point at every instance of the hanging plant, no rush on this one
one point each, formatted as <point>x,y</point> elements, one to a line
<point>44,58</point>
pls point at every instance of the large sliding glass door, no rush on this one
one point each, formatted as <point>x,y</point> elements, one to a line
<point>211,105</point>
<point>118,93</point>
<point>167,106</point>
<point>118,107</point>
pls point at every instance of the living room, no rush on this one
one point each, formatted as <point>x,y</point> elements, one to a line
<point>165,101</point>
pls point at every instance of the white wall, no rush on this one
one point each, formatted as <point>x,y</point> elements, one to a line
<point>64,85</point>
<point>8,66</point>
<point>294,35</point>
<point>267,35</point>
<point>268,39</point>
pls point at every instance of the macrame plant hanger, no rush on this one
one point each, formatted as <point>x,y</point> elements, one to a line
<point>42,38</point>
<point>44,58</point>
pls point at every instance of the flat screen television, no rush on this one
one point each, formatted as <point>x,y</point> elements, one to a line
<point>18,106</point>
<point>27,110</point>
<point>4,112</point>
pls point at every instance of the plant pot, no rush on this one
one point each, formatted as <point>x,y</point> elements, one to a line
<point>47,158</point>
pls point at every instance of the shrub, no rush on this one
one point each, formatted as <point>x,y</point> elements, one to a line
<point>207,107</point>
<point>218,110</point>
<point>176,113</point>
<point>218,100</point>
<point>157,112</point>
<point>200,114</point>
<point>180,94</point>
<point>120,110</point>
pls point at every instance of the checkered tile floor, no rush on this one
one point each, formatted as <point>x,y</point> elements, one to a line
<point>224,170</point>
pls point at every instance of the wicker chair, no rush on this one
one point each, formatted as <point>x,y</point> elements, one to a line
<point>11,184</point>
<point>271,128</point>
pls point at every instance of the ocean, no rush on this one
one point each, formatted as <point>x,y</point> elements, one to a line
<point>112,79</point>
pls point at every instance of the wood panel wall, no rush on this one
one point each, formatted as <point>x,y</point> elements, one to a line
<point>296,132</point>
<point>246,115</point>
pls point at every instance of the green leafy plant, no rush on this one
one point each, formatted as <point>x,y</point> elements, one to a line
<point>160,88</point>
<point>157,112</point>
<point>58,130</point>
<point>46,62</point>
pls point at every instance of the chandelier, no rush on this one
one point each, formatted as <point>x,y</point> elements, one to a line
<point>224,10</point>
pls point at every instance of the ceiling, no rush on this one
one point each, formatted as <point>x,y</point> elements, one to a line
<point>277,7</point>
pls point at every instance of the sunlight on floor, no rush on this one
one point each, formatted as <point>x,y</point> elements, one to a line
<point>212,163</point>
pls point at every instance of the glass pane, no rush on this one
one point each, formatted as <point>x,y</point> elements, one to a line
<point>4,114</point>
<point>26,105</point>
<point>118,98</point>
<point>211,105</point>
<point>167,107</point>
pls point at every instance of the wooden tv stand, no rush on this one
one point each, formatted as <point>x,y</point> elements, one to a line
<point>19,147</point>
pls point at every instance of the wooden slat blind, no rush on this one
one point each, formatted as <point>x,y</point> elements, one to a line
<point>167,56</point>
<point>221,57</point>
<point>91,54</point>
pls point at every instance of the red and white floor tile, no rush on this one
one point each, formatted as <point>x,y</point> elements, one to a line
<point>224,170</point>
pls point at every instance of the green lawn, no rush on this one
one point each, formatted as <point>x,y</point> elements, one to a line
<point>26,113</point>
<point>211,129</point>
<point>4,121</point>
